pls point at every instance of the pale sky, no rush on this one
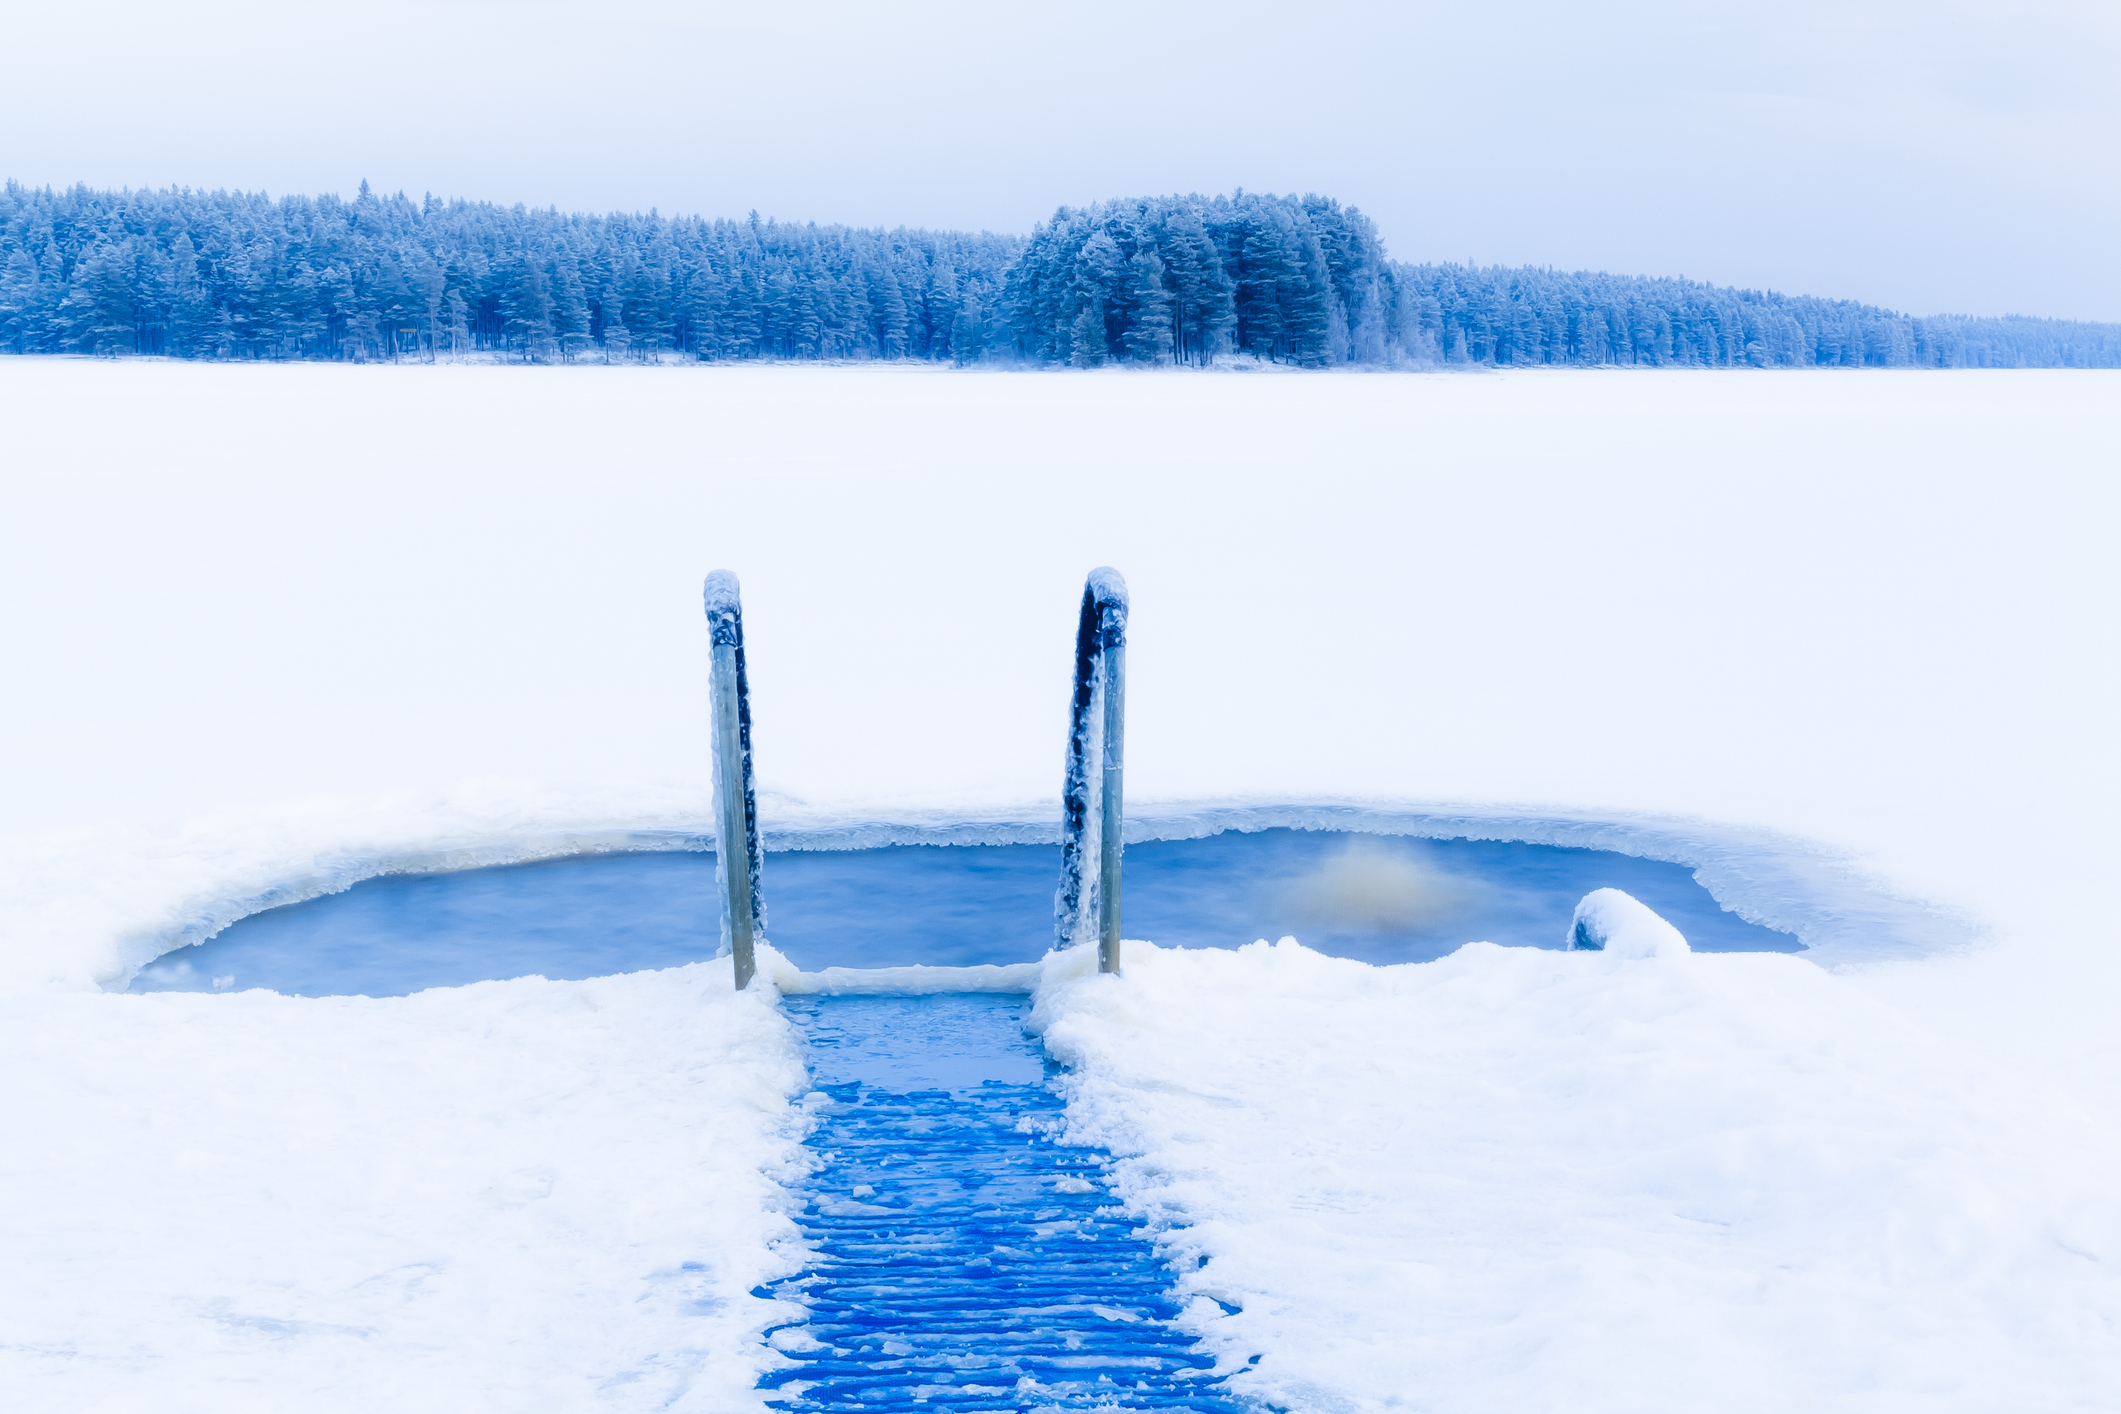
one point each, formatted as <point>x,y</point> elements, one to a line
<point>1935,156</point>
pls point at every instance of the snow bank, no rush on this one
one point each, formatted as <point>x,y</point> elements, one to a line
<point>1523,1179</point>
<point>509,1196</point>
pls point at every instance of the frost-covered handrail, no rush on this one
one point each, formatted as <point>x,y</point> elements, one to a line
<point>1090,844</point>
<point>737,813</point>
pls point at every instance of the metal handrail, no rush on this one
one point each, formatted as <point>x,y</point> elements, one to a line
<point>1100,693</point>
<point>737,815</point>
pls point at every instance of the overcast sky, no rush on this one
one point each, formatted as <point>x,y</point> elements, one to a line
<point>1934,156</point>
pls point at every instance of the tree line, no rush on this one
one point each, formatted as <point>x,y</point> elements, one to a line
<point>1174,280</point>
<point>1302,281</point>
<point>240,276</point>
<point>1534,316</point>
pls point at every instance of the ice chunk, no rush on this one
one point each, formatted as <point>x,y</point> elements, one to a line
<point>1608,920</point>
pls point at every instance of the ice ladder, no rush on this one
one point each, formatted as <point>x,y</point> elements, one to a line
<point>1093,793</point>
<point>965,1259</point>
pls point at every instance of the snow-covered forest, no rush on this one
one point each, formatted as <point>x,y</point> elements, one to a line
<point>1184,279</point>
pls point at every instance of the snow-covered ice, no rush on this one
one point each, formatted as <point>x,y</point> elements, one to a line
<point>513,1195</point>
<point>1840,641</point>
<point>1521,1179</point>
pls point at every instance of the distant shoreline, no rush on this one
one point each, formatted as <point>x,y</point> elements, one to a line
<point>1292,282</point>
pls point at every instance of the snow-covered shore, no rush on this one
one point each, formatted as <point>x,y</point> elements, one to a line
<point>514,1195</point>
<point>1520,1179</point>
<point>269,628</point>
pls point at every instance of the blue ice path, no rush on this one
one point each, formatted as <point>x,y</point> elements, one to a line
<point>1379,899</point>
<point>967,1260</point>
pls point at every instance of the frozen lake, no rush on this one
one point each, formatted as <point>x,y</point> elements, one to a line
<point>278,627</point>
<point>1380,899</point>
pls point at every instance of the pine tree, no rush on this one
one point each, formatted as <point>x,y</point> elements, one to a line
<point>806,324</point>
<point>704,304</point>
<point>527,308</point>
<point>1087,338</point>
<point>1148,339</point>
<point>888,299</point>
<point>968,332</point>
<point>939,307</point>
<point>1261,271</point>
<point>335,310</point>
<point>21,301</point>
<point>191,314</point>
<point>1204,306</point>
<point>570,307</point>
<point>397,309</point>
<point>745,317</point>
<point>644,304</point>
<point>659,308</point>
<point>431,285</point>
<point>98,310</point>
<point>617,338</point>
<point>1304,297</point>
<point>1100,290</point>
<point>459,323</point>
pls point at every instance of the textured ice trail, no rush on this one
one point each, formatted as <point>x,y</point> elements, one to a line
<point>966,1260</point>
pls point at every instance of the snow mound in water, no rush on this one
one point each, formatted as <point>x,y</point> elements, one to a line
<point>1613,922</point>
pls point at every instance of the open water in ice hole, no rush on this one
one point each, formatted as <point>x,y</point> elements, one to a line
<point>1381,899</point>
<point>966,1260</point>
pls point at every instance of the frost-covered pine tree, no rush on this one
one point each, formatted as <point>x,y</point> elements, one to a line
<point>23,317</point>
<point>1100,291</point>
<point>968,332</point>
<point>617,338</point>
<point>570,307</point>
<point>98,310</point>
<point>527,309</point>
<point>459,323</point>
<point>939,305</point>
<point>887,300</point>
<point>703,304</point>
<point>191,308</point>
<point>1261,273</point>
<point>1148,336</point>
<point>1304,296</point>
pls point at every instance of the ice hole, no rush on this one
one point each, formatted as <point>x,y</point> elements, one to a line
<point>1377,898</point>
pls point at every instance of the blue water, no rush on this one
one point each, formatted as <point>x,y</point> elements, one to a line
<point>1378,898</point>
<point>966,1261</point>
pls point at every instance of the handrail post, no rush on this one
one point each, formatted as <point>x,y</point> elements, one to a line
<point>1090,883</point>
<point>1109,826</point>
<point>736,862</point>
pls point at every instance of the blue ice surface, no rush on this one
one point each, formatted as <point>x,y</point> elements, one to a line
<point>1381,899</point>
<point>964,1258</point>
